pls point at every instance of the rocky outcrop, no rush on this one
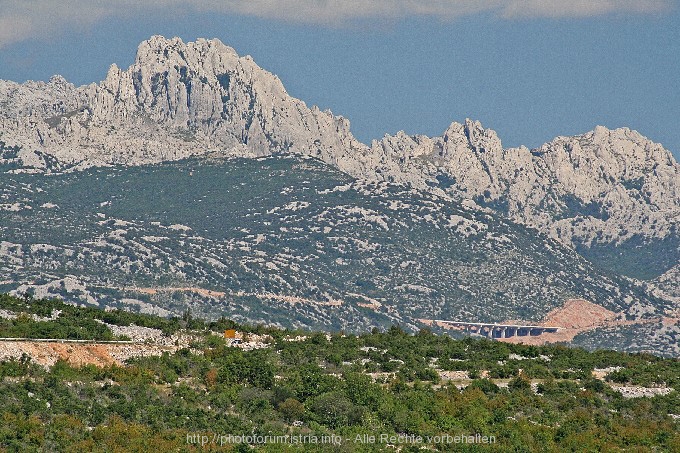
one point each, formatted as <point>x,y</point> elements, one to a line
<point>605,186</point>
<point>201,98</point>
<point>177,100</point>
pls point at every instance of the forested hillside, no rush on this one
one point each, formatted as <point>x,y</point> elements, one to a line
<point>341,386</point>
<point>290,242</point>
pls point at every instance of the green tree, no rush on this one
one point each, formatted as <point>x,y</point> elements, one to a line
<point>335,410</point>
<point>291,409</point>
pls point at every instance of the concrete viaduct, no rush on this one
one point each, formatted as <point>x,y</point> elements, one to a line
<point>490,330</point>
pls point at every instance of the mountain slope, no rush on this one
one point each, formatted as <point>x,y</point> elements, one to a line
<point>286,241</point>
<point>612,195</point>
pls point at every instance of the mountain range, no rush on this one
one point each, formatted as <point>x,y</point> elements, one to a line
<point>416,226</point>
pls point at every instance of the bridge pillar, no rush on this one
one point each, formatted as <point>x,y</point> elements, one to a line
<point>495,331</point>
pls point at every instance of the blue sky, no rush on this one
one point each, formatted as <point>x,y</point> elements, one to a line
<point>529,69</point>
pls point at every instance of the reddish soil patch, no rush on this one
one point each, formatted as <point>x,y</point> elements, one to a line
<point>579,314</point>
<point>47,354</point>
<point>574,317</point>
<point>671,321</point>
<point>78,354</point>
<point>201,291</point>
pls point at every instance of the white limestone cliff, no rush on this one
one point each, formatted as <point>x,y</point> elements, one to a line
<point>604,186</point>
<point>175,101</point>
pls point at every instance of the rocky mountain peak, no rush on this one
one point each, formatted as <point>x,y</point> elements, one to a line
<point>175,82</point>
<point>208,56</point>
<point>176,100</point>
<point>471,135</point>
<point>58,80</point>
<point>616,155</point>
<point>184,99</point>
<point>602,187</point>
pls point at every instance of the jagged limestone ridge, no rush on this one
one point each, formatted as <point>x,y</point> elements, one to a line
<point>184,99</point>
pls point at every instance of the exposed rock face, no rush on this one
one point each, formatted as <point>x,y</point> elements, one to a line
<point>603,186</point>
<point>183,99</point>
<point>175,101</point>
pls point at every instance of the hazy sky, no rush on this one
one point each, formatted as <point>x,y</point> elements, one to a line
<point>530,69</point>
